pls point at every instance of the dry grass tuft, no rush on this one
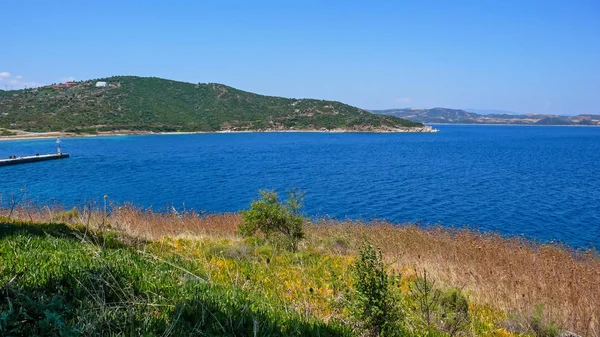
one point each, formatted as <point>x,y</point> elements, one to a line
<point>134,221</point>
<point>152,225</point>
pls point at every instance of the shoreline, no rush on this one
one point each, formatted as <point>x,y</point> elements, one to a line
<point>23,135</point>
<point>57,134</point>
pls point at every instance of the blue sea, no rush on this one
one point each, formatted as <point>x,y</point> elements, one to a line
<point>541,182</point>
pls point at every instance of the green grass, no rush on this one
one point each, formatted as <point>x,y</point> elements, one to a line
<point>98,286</point>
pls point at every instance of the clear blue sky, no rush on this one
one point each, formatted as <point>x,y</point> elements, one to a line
<point>518,55</point>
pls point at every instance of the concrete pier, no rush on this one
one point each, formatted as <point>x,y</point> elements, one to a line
<point>32,159</point>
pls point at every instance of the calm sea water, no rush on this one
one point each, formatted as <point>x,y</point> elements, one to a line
<point>543,182</point>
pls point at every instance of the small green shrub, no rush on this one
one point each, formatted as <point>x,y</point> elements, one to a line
<point>21,315</point>
<point>454,307</point>
<point>438,312</point>
<point>375,306</point>
<point>236,251</point>
<point>67,216</point>
<point>274,219</point>
<point>540,327</point>
<point>339,244</point>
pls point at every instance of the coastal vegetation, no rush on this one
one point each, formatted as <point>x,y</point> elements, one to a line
<point>4,132</point>
<point>153,104</point>
<point>124,270</point>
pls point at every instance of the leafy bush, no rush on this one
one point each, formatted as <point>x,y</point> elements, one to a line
<point>438,312</point>
<point>455,311</point>
<point>376,306</point>
<point>540,327</point>
<point>274,219</point>
<point>21,315</point>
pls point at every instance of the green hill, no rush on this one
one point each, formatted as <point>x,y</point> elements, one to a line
<point>154,104</point>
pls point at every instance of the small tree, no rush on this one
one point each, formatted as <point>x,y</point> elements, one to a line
<point>439,312</point>
<point>455,312</point>
<point>427,298</point>
<point>275,219</point>
<point>376,306</point>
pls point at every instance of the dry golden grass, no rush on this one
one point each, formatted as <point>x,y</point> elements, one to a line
<point>137,222</point>
<point>513,275</point>
<point>510,274</point>
<point>152,225</point>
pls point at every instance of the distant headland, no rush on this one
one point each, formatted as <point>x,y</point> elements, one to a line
<point>458,116</point>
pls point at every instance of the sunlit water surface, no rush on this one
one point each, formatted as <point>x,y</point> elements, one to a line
<point>543,182</point>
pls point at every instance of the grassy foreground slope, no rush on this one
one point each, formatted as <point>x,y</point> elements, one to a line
<point>154,104</point>
<point>64,280</point>
<point>141,273</point>
<point>60,280</point>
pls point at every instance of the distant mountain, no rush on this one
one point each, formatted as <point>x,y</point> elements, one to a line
<point>435,115</point>
<point>457,116</point>
<point>491,112</point>
<point>154,104</point>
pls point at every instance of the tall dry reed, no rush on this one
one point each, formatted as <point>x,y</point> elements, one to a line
<point>511,274</point>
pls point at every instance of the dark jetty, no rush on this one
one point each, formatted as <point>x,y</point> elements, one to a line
<point>32,159</point>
